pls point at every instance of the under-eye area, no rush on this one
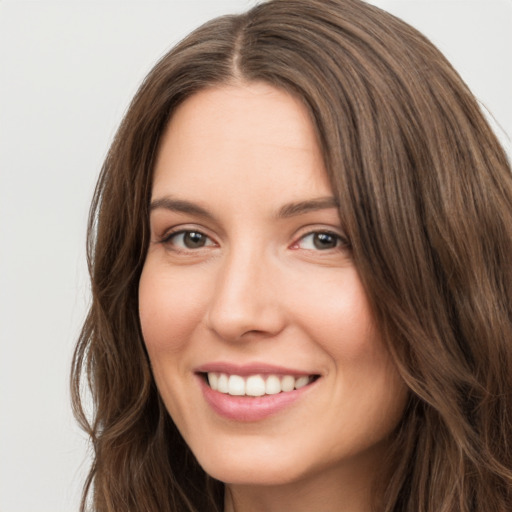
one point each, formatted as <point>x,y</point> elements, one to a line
<point>256,385</point>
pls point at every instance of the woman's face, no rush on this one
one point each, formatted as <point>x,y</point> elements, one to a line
<point>249,282</point>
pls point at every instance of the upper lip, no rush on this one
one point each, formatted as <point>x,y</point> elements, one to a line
<point>250,369</point>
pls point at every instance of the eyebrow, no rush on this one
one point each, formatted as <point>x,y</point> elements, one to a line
<point>181,206</point>
<point>286,211</point>
<point>302,207</point>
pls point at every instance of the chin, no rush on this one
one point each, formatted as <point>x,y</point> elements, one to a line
<point>242,474</point>
<point>263,465</point>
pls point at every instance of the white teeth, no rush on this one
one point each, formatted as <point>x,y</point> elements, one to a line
<point>301,382</point>
<point>273,385</point>
<point>288,383</point>
<point>236,385</point>
<point>222,383</point>
<point>213,380</point>
<point>255,385</point>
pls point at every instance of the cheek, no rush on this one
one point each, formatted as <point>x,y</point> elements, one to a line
<point>170,307</point>
<point>337,316</point>
<point>334,310</point>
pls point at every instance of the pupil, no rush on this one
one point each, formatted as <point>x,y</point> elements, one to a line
<point>193,240</point>
<point>324,241</point>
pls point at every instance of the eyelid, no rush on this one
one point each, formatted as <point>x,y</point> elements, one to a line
<point>166,238</point>
<point>306,231</point>
<point>343,240</point>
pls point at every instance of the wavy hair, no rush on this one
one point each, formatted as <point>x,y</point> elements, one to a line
<point>425,194</point>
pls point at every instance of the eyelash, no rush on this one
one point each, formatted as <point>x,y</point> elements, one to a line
<point>341,242</point>
<point>168,238</point>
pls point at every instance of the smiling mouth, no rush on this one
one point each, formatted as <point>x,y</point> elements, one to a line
<point>256,385</point>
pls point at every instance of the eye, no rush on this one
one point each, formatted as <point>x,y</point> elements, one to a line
<point>188,239</point>
<point>320,241</point>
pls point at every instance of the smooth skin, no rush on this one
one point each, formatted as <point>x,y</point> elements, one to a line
<point>249,263</point>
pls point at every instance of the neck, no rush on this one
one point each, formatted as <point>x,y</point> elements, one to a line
<point>328,491</point>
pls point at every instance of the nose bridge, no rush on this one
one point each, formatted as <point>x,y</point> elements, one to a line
<point>244,298</point>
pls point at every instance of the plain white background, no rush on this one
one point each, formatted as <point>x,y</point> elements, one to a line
<point>67,72</point>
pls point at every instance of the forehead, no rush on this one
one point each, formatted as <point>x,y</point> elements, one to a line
<point>249,134</point>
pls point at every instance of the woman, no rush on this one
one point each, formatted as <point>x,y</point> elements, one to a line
<point>299,254</point>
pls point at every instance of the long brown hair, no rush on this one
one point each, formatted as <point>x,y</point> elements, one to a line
<point>425,194</point>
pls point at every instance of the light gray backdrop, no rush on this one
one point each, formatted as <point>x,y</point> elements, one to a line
<point>67,72</point>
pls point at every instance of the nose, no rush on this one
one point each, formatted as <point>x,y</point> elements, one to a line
<point>246,302</point>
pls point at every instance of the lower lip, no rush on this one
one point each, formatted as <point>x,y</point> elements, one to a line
<point>247,408</point>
